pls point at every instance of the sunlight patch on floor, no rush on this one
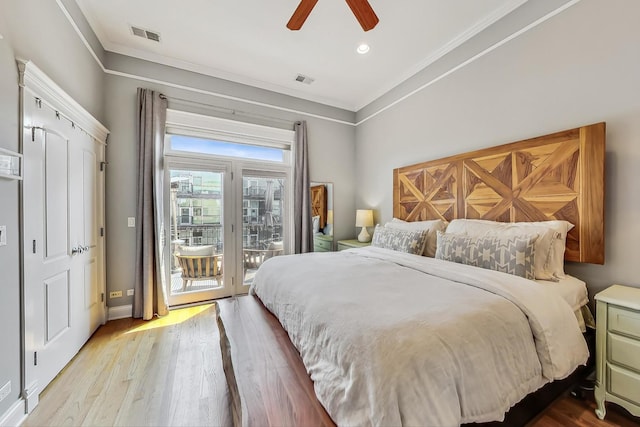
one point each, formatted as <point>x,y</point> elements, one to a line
<point>173,318</point>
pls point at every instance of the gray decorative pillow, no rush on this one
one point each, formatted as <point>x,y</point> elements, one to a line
<point>411,242</point>
<point>508,254</point>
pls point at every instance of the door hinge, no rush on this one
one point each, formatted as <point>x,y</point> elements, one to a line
<point>33,134</point>
<point>102,297</point>
<point>231,176</point>
<point>35,358</point>
<point>103,166</point>
<point>39,102</point>
<point>101,231</point>
<point>232,228</point>
<point>34,246</point>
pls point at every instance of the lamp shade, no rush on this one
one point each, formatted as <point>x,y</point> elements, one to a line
<point>364,218</point>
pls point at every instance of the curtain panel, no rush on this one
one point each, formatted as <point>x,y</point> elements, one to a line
<point>303,228</point>
<point>150,296</point>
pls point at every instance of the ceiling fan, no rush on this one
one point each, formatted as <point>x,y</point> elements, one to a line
<point>360,8</point>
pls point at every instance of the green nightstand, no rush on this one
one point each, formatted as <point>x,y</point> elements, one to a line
<point>349,244</point>
<point>322,243</point>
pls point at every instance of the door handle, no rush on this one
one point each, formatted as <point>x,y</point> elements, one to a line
<point>76,251</point>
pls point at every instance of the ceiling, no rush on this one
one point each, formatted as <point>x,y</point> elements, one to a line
<point>246,41</point>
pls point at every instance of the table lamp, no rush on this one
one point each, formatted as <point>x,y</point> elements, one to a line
<point>364,219</point>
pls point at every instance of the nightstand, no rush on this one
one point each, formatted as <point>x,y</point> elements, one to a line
<point>322,243</point>
<point>353,243</point>
<point>618,349</point>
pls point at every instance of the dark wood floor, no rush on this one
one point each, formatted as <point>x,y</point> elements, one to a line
<point>168,372</point>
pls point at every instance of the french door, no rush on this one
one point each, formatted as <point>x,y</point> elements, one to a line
<point>224,218</point>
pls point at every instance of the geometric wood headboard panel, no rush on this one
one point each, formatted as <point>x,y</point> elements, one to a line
<point>557,176</point>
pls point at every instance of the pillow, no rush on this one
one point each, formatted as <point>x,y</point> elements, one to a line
<point>206,250</point>
<point>316,223</point>
<point>550,246</point>
<point>411,242</point>
<point>431,226</point>
<point>512,255</point>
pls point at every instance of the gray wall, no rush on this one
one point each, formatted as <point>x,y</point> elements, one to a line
<point>9,255</point>
<point>331,146</point>
<point>579,67</point>
<point>35,30</point>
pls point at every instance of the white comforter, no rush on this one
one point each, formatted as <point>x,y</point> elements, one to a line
<point>396,339</point>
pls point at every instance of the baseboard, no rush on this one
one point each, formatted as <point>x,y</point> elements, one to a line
<point>120,312</point>
<point>16,414</point>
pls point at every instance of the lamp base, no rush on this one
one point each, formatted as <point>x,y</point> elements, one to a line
<point>364,236</point>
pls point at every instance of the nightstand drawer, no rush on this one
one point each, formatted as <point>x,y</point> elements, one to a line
<point>624,384</point>
<point>624,321</point>
<point>624,351</point>
<point>321,245</point>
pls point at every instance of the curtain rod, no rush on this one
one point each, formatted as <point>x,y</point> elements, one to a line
<point>230,111</point>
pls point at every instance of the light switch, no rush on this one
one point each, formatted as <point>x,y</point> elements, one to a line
<point>131,222</point>
<point>3,235</point>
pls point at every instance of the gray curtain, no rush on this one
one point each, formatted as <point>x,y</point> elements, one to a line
<point>150,297</point>
<point>303,233</point>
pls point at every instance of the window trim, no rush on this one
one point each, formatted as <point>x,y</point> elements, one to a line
<point>201,126</point>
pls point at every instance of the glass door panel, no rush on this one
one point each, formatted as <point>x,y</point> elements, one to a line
<point>197,200</point>
<point>263,220</point>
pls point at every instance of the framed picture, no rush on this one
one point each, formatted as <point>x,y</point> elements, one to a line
<point>10,164</point>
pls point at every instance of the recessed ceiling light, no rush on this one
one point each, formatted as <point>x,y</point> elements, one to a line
<point>363,48</point>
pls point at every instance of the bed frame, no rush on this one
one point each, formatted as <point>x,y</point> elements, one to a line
<point>558,176</point>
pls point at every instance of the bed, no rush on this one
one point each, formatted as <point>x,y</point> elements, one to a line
<point>394,338</point>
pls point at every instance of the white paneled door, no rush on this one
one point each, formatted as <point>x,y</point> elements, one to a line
<point>63,246</point>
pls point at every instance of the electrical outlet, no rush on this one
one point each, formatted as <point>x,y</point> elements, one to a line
<point>5,391</point>
<point>129,292</point>
<point>115,294</point>
<point>3,235</point>
<point>131,222</point>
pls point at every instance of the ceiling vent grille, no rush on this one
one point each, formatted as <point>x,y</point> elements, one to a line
<point>145,34</point>
<point>301,78</point>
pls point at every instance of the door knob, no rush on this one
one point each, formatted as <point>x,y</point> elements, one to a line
<point>76,251</point>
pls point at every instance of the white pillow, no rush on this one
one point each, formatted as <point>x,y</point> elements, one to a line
<point>206,250</point>
<point>316,223</point>
<point>432,228</point>
<point>550,245</point>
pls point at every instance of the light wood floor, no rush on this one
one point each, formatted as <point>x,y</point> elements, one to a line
<point>168,372</point>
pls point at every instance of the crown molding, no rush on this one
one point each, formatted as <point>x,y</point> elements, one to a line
<point>34,79</point>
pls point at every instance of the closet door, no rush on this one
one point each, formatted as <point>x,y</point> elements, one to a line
<point>86,242</point>
<point>50,292</point>
<point>63,250</point>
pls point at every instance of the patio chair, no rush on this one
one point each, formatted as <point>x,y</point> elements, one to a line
<point>199,263</point>
<point>253,258</point>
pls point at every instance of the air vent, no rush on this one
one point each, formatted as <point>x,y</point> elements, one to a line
<point>146,34</point>
<point>304,79</point>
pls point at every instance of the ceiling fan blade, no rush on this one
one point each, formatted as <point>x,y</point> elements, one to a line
<point>301,13</point>
<point>364,13</point>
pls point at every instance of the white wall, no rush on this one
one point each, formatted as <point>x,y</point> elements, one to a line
<point>577,68</point>
<point>35,30</point>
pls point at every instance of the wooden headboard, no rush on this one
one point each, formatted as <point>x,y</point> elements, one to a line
<point>557,176</point>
